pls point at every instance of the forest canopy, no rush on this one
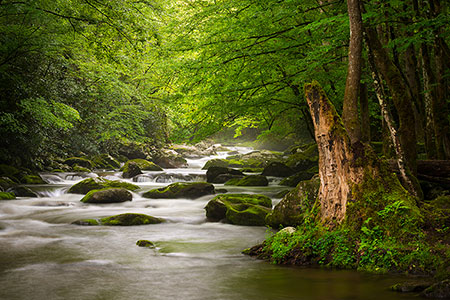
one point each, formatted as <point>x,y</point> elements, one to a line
<point>85,76</point>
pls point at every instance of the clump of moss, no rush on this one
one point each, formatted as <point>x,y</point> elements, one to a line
<point>7,196</point>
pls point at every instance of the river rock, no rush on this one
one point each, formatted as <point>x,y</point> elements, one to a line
<point>214,172</point>
<point>190,190</point>
<point>32,179</point>
<point>127,219</point>
<point>169,159</point>
<point>296,178</point>
<point>79,169</point>
<point>133,150</point>
<point>277,169</point>
<point>291,209</point>
<point>142,164</point>
<point>239,209</point>
<point>82,162</point>
<point>105,161</point>
<point>7,196</point>
<point>440,290</point>
<point>97,183</point>
<point>6,183</point>
<point>145,243</point>
<point>216,162</point>
<point>131,170</point>
<point>22,191</point>
<point>250,180</point>
<point>410,287</point>
<point>299,162</point>
<point>108,195</point>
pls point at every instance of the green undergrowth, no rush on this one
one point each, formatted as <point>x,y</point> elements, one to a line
<point>384,231</point>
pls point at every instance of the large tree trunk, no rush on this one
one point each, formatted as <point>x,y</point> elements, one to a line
<point>350,109</point>
<point>400,95</point>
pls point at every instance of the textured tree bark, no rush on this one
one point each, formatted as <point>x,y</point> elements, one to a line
<point>350,109</point>
<point>336,170</point>
<point>400,95</point>
<point>365,116</point>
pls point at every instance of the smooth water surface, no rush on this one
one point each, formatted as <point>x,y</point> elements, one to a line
<point>44,256</point>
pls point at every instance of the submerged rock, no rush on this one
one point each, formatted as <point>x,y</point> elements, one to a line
<point>250,180</point>
<point>440,290</point>
<point>107,195</point>
<point>239,209</point>
<point>145,243</point>
<point>189,190</point>
<point>89,184</point>
<point>127,219</point>
<point>295,205</point>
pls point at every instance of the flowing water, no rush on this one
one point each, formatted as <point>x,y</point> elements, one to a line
<point>44,256</point>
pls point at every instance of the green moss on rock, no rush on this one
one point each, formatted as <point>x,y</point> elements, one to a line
<point>145,243</point>
<point>250,180</point>
<point>293,180</point>
<point>87,222</point>
<point>77,168</point>
<point>107,195</point>
<point>80,161</point>
<point>239,209</point>
<point>89,184</point>
<point>7,196</point>
<point>142,164</point>
<point>32,179</point>
<point>130,219</point>
<point>189,190</point>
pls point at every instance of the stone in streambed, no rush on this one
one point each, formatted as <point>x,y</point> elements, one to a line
<point>107,195</point>
<point>142,164</point>
<point>189,190</point>
<point>22,191</point>
<point>131,170</point>
<point>145,243</point>
<point>239,209</point>
<point>82,162</point>
<point>89,184</point>
<point>291,210</point>
<point>7,196</point>
<point>127,219</point>
<point>293,180</point>
<point>250,180</point>
<point>221,174</point>
<point>32,179</point>
<point>277,169</point>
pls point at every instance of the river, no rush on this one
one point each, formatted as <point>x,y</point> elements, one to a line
<point>44,256</point>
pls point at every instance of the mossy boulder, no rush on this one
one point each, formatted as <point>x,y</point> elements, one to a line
<point>22,191</point>
<point>293,208</point>
<point>107,195</point>
<point>142,164</point>
<point>250,180</point>
<point>6,183</point>
<point>77,168</point>
<point>296,178</point>
<point>439,290</point>
<point>213,173</point>
<point>221,163</point>
<point>32,179</point>
<point>134,150</point>
<point>239,209</point>
<point>105,161</point>
<point>169,159</point>
<point>299,162</point>
<point>132,169</point>
<point>252,170</point>
<point>277,169</point>
<point>7,196</point>
<point>10,172</point>
<point>145,243</point>
<point>80,161</point>
<point>89,184</point>
<point>127,219</point>
<point>190,190</point>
